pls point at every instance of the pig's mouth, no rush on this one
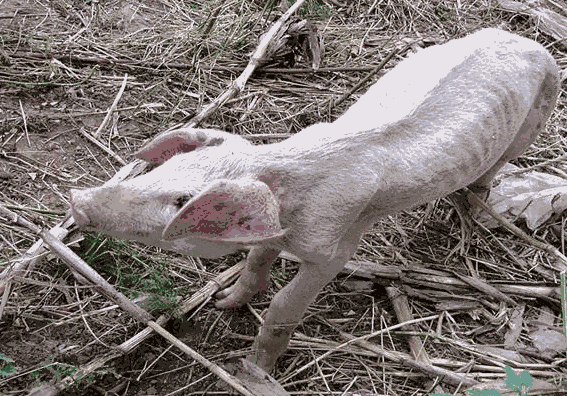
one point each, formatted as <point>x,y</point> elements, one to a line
<point>83,222</point>
<point>81,218</point>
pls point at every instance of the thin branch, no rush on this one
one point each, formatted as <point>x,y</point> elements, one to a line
<point>257,58</point>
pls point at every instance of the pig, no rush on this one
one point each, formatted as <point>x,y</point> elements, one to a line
<point>447,117</point>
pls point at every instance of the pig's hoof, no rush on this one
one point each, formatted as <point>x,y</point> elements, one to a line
<point>238,294</point>
<point>264,361</point>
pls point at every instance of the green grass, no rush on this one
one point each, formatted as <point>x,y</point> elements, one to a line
<point>7,366</point>
<point>129,272</point>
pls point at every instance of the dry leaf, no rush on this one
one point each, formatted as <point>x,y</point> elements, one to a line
<point>533,196</point>
<point>549,342</point>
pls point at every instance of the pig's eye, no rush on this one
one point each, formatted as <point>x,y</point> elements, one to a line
<point>182,200</point>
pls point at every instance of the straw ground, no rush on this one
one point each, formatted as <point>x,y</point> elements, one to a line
<point>62,65</point>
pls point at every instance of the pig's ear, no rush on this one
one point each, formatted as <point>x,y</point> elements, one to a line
<point>166,145</point>
<point>243,211</point>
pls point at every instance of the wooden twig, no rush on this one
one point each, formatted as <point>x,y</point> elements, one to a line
<point>214,368</point>
<point>283,70</point>
<point>364,337</point>
<point>25,123</point>
<point>151,67</point>
<point>31,256</point>
<point>549,21</point>
<point>484,287</point>
<point>561,264</point>
<point>255,61</point>
<point>445,375</point>
<point>418,276</point>
<point>560,159</point>
<point>60,231</point>
<point>403,313</point>
<point>102,146</point>
<point>563,280</point>
<point>76,263</point>
<point>110,111</point>
<point>368,77</point>
<point>220,281</point>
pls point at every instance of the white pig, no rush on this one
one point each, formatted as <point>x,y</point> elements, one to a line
<point>445,118</point>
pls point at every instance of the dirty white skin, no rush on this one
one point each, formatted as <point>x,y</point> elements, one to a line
<point>447,117</point>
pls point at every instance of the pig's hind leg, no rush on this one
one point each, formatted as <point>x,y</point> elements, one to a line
<point>540,110</point>
<point>255,277</point>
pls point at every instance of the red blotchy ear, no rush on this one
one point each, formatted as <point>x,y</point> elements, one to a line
<point>243,211</point>
<point>166,145</point>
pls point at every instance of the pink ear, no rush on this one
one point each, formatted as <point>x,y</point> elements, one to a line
<point>167,144</point>
<point>243,211</point>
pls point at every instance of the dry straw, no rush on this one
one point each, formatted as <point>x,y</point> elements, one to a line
<point>426,305</point>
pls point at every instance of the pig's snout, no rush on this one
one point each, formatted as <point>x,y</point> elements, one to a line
<point>81,218</point>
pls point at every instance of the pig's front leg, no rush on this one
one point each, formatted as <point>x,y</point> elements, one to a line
<point>288,307</point>
<point>255,277</point>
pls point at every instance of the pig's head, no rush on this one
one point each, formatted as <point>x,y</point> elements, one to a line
<point>201,200</point>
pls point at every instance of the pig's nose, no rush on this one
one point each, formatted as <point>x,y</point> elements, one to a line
<point>81,218</point>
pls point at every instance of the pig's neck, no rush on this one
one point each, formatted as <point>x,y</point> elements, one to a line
<point>319,152</point>
<point>320,146</point>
